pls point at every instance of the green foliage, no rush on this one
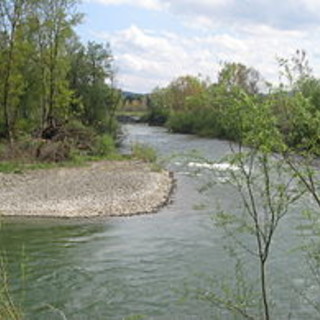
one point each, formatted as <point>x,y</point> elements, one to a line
<point>182,95</point>
<point>208,124</point>
<point>157,115</point>
<point>266,190</point>
<point>297,119</point>
<point>104,145</point>
<point>10,167</point>
<point>9,309</point>
<point>310,89</point>
<point>181,122</point>
<point>158,107</point>
<point>236,295</point>
<point>237,75</point>
<point>94,102</point>
<point>49,81</point>
<point>144,153</point>
<point>283,119</point>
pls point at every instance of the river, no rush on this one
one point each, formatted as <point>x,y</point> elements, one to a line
<point>149,265</point>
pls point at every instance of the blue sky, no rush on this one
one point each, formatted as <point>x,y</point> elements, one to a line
<point>155,41</point>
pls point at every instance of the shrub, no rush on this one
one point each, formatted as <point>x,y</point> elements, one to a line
<point>54,151</point>
<point>207,123</point>
<point>144,153</point>
<point>82,137</point>
<point>104,145</point>
<point>157,116</point>
<point>181,122</point>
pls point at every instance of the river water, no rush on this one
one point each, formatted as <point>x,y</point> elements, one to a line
<point>156,266</point>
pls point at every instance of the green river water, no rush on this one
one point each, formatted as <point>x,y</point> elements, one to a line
<point>149,265</point>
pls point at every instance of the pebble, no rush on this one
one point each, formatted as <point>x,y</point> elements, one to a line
<point>104,188</point>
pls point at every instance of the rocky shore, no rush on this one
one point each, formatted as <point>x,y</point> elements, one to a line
<point>115,188</point>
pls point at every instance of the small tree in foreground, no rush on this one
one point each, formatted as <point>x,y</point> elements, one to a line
<point>266,189</point>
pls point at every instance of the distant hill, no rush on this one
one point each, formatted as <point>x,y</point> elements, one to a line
<point>132,95</point>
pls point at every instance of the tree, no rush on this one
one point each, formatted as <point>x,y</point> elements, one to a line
<point>34,61</point>
<point>266,190</point>
<point>183,90</point>
<point>294,70</point>
<point>158,106</point>
<point>237,75</point>
<point>12,23</point>
<point>55,20</point>
<point>269,183</point>
<point>95,99</point>
<point>48,79</point>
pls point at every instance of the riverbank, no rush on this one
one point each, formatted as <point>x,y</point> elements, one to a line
<point>105,188</point>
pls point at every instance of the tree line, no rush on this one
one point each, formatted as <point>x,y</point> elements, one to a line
<point>48,79</point>
<point>222,109</point>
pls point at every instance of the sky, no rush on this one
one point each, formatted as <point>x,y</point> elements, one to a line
<point>155,41</point>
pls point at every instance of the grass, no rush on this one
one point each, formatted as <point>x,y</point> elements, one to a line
<point>9,310</point>
<point>139,152</point>
<point>147,154</point>
<point>20,167</point>
<point>144,153</point>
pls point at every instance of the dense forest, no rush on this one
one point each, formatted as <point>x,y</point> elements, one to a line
<point>57,96</point>
<point>242,102</point>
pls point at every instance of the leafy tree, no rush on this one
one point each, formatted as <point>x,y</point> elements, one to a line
<point>95,100</point>
<point>294,70</point>
<point>310,89</point>
<point>183,90</point>
<point>12,22</point>
<point>54,22</point>
<point>49,80</point>
<point>158,105</point>
<point>266,189</point>
<point>238,75</point>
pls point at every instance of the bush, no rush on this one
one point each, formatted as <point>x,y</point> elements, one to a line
<point>207,123</point>
<point>79,135</point>
<point>70,141</point>
<point>108,126</point>
<point>104,146</point>
<point>22,150</point>
<point>157,116</point>
<point>54,151</point>
<point>181,122</point>
<point>144,153</point>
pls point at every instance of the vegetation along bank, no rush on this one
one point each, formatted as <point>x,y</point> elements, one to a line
<point>58,106</point>
<point>242,104</point>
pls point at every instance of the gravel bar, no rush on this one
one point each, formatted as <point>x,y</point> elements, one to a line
<point>105,188</point>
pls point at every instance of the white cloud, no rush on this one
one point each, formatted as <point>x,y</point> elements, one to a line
<point>285,14</point>
<point>311,5</point>
<point>147,59</point>
<point>147,4</point>
<point>253,32</point>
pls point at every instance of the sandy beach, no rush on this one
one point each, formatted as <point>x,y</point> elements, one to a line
<point>105,188</point>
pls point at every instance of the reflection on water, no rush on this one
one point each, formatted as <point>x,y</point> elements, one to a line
<point>145,265</point>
